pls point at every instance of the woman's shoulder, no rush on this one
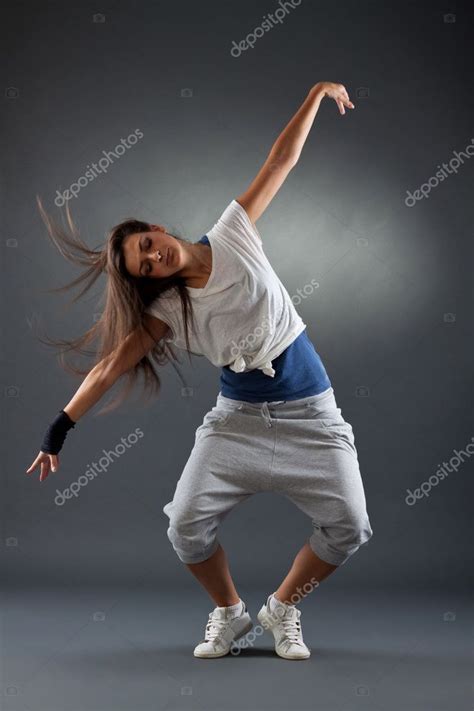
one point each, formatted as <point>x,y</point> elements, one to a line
<point>235,230</point>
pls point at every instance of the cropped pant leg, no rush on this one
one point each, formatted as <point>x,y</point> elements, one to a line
<point>225,467</point>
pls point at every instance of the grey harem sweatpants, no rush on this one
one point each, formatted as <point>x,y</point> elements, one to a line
<point>303,449</point>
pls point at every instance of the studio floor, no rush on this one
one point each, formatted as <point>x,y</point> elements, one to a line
<point>114,649</point>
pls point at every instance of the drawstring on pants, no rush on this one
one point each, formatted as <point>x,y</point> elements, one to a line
<point>264,411</point>
<point>266,414</point>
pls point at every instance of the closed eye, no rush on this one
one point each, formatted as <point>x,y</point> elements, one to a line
<point>145,244</point>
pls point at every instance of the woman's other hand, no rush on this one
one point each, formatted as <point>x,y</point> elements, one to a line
<point>334,91</point>
<point>47,461</point>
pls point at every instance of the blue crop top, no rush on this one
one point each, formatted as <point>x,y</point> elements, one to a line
<point>299,372</point>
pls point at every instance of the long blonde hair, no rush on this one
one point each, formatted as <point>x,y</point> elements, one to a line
<point>125,300</point>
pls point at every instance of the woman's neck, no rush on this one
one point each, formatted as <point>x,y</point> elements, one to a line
<point>199,267</point>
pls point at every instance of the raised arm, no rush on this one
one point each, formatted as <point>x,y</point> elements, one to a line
<point>286,150</point>
<point>100,379</point>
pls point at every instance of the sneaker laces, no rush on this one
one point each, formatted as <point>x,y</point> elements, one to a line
<point>292,626</point>
<point>214,627</point>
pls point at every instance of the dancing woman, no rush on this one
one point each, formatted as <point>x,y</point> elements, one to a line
<point>275,425</point>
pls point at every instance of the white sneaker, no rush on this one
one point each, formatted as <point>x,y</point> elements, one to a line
<point>284,623</point>
<point>221,630</point>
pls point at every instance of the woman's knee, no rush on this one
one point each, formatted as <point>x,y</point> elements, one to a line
<point>336,543</point>
<point>357,528</point>
<point>193,542</point>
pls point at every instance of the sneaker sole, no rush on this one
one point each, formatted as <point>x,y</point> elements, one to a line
<point>266,622</point>
<point>240,634</point>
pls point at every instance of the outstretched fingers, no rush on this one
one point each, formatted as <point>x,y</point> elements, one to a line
<point>47,462</point>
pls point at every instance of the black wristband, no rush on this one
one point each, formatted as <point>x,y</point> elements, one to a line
<point>56,433</point>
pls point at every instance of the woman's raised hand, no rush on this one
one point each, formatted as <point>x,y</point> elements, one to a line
<point>337,92</point>
<point>47,462</point>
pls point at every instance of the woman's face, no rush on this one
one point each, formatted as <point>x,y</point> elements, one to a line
<point>152,254</point>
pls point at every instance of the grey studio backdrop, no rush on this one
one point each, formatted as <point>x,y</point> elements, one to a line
<point>391,315</point>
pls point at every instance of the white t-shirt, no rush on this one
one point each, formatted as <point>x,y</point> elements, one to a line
<point>244,315</point>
